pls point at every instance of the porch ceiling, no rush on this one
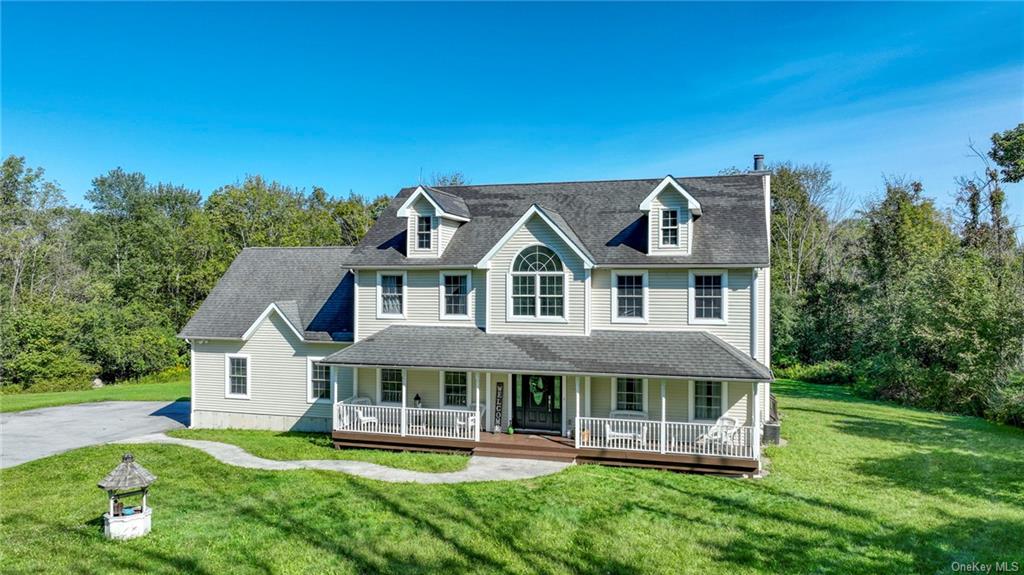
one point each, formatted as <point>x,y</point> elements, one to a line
<point>684,355</point>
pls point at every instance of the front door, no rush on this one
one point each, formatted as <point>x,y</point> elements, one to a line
<point>538,402</point>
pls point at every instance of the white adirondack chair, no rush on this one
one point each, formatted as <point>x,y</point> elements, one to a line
<point>363,420</point>
<point>465,422</point>
<point>724,432</point>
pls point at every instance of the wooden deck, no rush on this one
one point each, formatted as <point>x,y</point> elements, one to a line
<point>548,447</point>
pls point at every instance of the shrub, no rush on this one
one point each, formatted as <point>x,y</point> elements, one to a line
<point>826,372</point>
<point>1009,403</point>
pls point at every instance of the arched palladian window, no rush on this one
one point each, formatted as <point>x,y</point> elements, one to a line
<point>538,284</point>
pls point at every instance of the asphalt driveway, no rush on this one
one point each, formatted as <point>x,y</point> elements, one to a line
<point>37,433</point>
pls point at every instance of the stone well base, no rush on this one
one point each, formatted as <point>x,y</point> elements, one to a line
<point>128,526</point>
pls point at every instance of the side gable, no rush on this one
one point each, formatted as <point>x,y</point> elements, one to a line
<point>273,308</point>
<point>557,224</point>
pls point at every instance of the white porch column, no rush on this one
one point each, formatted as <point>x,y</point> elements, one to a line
<point>334,396</point>
<point>488,408</point>
<point>586,396</point>
<point>756,435</point>
<point>576,416</point>
<point>405,386</point>
<point>664,432</point>
<point>476,380</point>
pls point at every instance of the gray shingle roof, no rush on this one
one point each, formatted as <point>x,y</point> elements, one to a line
<point>309,285</point>
<point>127,475</point>
<point>690,355</point>
<point>604,215</point>
<point>449,202</point>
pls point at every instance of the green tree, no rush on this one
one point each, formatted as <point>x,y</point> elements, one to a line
<point>1008,153</point>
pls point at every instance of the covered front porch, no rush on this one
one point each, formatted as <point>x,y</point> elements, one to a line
<point>465,390</point>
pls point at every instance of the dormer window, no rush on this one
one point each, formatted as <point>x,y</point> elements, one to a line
<point>423,228</point>
<point>670,227</point>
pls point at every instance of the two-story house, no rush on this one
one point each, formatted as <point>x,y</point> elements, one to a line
<point>624,322</point>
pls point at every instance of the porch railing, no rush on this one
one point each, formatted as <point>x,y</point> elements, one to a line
<point>418,422</point>
<point>665,437</point>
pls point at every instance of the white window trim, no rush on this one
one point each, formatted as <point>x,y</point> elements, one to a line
<point>692,293</point>
<point>380,386</point>
<point>227,376</point>
<point>380,294</point>
<point>469,386</point>
<point>661,228</point>
<point>691,406</point>
<point>469,295</point>
<point>644,396</point>
<point>416,240</point>
<point>309,382</point>
<point>511,317</point>
<point>615,297</point>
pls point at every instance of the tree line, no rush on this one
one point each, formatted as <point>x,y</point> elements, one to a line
<point>102,292</point>
<point>901,299</point>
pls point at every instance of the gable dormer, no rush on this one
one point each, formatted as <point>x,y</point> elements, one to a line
<point>432,218</point>
<point>671,212</point>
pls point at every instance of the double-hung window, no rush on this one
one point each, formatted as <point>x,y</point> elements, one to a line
<point>423,229</point>
<point>538,284</point>
<point>707,302</point>
<point>236,376</point>
<point>707,400</point>
<point>455,297</point>
<point>629,394</point>
<point>392,295</point>
<point>670,227</point>
<point>629,294</point>
<point>319,388</point>
<point>456,388</point>
<point>391,385</point>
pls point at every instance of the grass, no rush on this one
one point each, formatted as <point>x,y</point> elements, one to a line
<point>294,445</point>
<point>861,487</point>
<point>172,385</point>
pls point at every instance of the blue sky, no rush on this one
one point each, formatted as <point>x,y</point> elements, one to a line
<point>367,97</point>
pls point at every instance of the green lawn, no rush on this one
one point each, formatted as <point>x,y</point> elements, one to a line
<point>293,445</point>
<point>169,386</point>
<point>862,487</point>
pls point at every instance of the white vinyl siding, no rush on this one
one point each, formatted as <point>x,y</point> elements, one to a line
<point>535,231</point>
<point>278,374</point>
<point>668,295</point>
<point>445,230</point>
<point>422,295</point>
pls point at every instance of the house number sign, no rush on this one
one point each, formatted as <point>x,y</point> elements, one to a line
<point>497,406</point>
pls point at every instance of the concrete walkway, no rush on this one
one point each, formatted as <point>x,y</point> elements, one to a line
<point>37,433</point>
<point>478,468</point>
